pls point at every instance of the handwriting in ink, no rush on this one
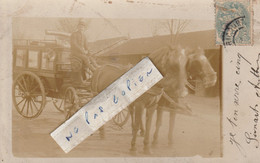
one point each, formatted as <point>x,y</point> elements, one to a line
<point>141,78</point>
<point>115,99</point>
<point>236,94</point>
<point>76,130</point>
<point>230,120</point>
<point>240,57</point>
<point>249,139</point>
<point>95,116</point>
<point>148,73</point>
<point>101,109</point>
<point>128,84</point>
<point>252,136</point>
<point>69,137</point>
<point>255,72</point>
<point>233,141</point>
<point>86,117</point>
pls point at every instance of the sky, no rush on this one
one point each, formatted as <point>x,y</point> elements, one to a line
<point>98,29</point>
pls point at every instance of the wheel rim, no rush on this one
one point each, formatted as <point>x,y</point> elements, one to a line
<point>121,118</point>
<point>59,104</point>
<point>28,95</point>
<point>70,102</point>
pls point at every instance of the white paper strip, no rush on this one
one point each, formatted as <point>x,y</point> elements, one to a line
<point>107,104</point>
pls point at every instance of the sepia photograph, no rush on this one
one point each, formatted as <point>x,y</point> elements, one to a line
<point>60,64</point>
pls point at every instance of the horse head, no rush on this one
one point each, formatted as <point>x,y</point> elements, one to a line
<point>199,68</point>
<point>171,63</point>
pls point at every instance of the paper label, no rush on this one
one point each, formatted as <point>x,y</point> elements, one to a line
<point>107,104</point>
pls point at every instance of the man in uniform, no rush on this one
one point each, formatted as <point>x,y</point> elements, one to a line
<point>79,47</point>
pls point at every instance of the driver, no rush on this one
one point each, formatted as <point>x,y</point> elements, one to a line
<point>79,47</point>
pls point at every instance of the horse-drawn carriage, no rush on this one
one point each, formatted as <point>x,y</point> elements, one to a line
<point>42,71</point>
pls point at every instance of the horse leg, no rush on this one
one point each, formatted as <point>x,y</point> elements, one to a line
<point>149,116</point>
<point>102,132</point>
<point>142,132</point>
<point>136,126</point>
<point>171,126</point>
<point>132,112</point>
<point>158,125</point>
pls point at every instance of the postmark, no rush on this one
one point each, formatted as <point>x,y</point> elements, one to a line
<point>233,23</point>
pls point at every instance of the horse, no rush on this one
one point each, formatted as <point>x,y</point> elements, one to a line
<point>103,77</point>
<point>198,67</point>
<point>173,63</point>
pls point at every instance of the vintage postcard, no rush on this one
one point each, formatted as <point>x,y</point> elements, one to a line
<point>133,80</point>
<point>52,80</point>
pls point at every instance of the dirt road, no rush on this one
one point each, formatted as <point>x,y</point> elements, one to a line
<point>198,134</point>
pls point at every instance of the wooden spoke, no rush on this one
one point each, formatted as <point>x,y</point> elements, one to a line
<point>31,106</point>
<point>35,105</point>
<point>37,86</point>
<point>21,86</point>
<point>30,86</point>
<point>121,118</point>
<point>70,102</point>
<point>23,106</point>
<point>20,101</point>
<point>123,113</point>
<point>27,107</point>
<point>25,84</point>
<point>117,118</point>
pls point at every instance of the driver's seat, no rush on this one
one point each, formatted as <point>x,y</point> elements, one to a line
<point>80,74</point>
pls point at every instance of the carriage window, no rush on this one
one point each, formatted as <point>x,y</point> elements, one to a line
<point>48,58</point>
<point>33,59</point>
<point>20,55</point>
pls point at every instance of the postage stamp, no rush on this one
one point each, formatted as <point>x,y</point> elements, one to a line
<point>233,22</point>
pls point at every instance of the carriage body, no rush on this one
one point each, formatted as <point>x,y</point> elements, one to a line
<point>47,60</point>
<point>42,71</point>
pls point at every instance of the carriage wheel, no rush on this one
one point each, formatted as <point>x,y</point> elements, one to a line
<point>59,104</point>
<point>121,118</point>
<point>71,102</point>
<point>28,95</point>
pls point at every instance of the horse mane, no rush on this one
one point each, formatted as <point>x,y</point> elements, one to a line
<point>164,56</point>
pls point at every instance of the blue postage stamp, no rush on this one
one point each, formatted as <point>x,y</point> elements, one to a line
<point>233,22</point>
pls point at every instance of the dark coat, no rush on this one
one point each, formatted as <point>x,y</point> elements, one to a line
<point>78,42</point>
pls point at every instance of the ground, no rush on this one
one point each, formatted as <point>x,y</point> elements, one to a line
<point>198,134</point>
